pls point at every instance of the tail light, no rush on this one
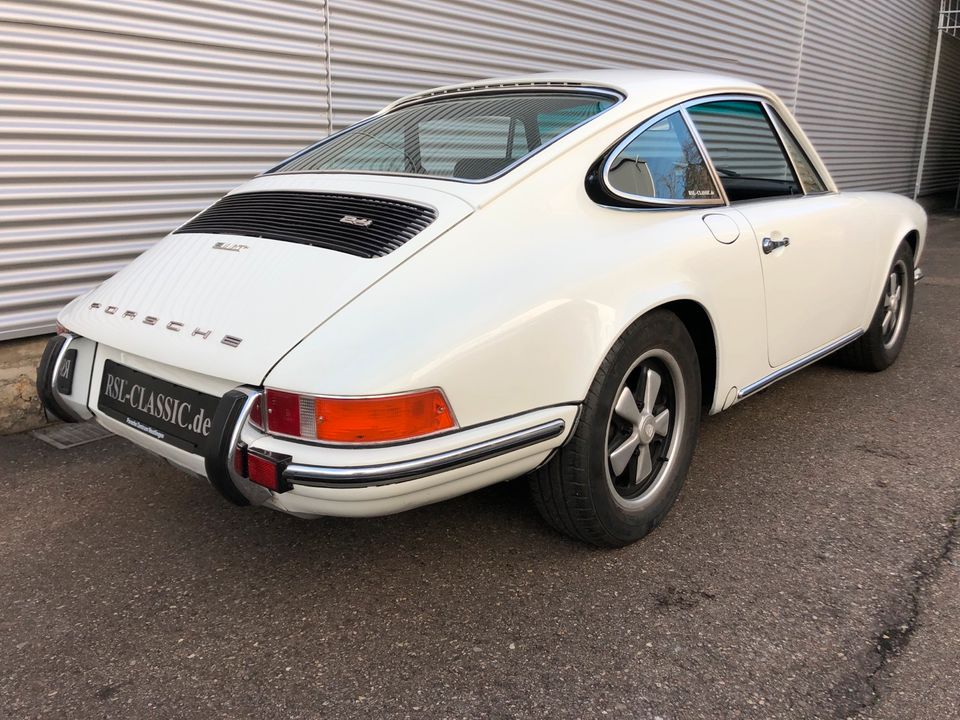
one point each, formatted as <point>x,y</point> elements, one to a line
<point>358,420</point>
<point>283,413</point>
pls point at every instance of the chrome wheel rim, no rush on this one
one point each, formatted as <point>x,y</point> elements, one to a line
<point>894,304</point>
<point>644,429</point>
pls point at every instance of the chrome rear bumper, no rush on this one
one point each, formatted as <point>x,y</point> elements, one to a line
<point>386,473</point>
<point>357,481</point>
<point>366,481</point>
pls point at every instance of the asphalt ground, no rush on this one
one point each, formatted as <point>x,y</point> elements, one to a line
<point>809,570</point>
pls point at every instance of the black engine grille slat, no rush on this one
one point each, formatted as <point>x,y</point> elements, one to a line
<point>316,219</point>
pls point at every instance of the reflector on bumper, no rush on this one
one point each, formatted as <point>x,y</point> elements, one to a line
<point>266,469</point>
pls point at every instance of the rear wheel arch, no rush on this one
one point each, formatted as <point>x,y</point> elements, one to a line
<point>643,403</point>
<point>697,320</point>
<point>699,324</point>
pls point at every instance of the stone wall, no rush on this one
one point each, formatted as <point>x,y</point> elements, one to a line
<point>19,407</point>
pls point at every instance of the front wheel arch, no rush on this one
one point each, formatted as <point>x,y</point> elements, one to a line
<point>912,239</point>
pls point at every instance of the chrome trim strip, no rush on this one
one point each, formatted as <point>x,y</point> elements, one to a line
<point>783,130</point>
<point>698,139</point>
<point>70,337</point>
<point>238,426</point>
<point>682,107</point>
<point>421,467</point>
<point>799,364</point>
<point>60,399</point>
<point>654,201</point>
<point>768,112</point>
<point>256,494</point>
<point>503,88</point>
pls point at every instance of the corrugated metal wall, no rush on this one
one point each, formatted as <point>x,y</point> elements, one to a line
<point>122,119</point>
<point>857,72</point>
<point>864,79</point>
<point>941,171</point>
<point>380,50</point>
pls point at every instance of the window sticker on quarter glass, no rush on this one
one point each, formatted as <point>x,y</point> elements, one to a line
<point>663,162</point>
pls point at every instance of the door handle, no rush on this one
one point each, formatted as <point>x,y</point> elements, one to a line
<point>769,245</point>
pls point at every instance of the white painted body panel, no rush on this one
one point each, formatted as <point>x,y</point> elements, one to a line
<point>358,501</point>
<point>271,294</point>
<point>509,301</point>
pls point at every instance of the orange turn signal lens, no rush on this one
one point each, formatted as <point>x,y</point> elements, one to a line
<point>382,419</point>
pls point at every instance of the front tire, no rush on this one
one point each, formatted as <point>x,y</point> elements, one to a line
<point>622,468</point>
<point>879,346</point>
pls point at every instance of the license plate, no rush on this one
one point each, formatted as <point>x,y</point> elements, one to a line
<point>169,412</point>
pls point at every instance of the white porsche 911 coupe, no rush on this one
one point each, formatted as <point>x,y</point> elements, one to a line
<point>554,275</point>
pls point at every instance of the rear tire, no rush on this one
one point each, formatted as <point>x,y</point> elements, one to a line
<point>622,468</point>
<point>878,348</point>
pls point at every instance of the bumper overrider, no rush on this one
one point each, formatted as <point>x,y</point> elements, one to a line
<point>309,479</point>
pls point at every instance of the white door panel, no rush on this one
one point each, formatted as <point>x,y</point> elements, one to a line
<point>815,286</point>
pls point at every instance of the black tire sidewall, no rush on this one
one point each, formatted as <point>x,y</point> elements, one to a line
<point>664,331</point>
<point>885,356</point>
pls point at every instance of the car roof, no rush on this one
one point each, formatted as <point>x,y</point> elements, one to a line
<point>640,87</point>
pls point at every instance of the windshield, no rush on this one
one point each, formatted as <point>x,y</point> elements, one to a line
<point>466,138</point>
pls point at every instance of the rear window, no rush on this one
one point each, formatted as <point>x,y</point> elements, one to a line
<point>466,138</point>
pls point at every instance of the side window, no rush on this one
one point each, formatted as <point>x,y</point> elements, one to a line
<point>662,163</point>
<point>744,149</point>
<point>812,182</point>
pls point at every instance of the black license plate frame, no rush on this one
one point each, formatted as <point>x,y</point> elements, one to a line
<point>177,415</point>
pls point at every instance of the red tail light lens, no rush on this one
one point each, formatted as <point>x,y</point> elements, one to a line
<point>283,413</point>
<point>359,420</point>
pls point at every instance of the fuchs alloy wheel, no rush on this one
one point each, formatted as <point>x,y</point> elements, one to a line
<point>644,429</point>
<point>879,346</point>
<point>893,319</point>
<point>623,467</point>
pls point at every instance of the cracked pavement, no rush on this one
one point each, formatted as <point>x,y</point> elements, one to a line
<point>809,570</point>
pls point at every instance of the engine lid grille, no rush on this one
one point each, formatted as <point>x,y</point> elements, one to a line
<point>358,225</point>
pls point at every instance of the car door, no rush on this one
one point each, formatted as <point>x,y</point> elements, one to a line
<point>812,258</point>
